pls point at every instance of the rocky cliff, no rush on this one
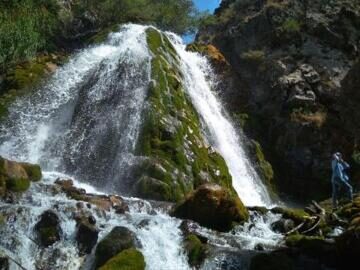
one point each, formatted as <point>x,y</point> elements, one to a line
<point>289,83</point>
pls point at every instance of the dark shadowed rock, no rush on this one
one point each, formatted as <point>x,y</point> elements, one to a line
<point>86,234</point>
<point>212,206</point>
<point>4,262</point>
<point>290,59</point>
<point>48,228</point>
<point>119,239</point>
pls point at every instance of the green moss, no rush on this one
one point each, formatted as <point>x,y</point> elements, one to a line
<point>171,134</point>
<point>17,184</point>
<point>265,168</point>
<point>298,215</point>
<point>33,171</point>
<point>20,80</point>
<point>312,246</point>
<point>48,235</point>
<point>129,259</point>
<point>196,250</point>
<point>291,25</point>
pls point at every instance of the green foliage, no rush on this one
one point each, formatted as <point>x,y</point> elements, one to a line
<point>129,259</point>
<point>30,26</point>
<point>25,28</point>
<point>179,16</point>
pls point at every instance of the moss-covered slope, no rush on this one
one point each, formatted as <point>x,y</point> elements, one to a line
<point>179,160</point>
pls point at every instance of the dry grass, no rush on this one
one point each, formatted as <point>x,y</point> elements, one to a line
<point>318,118</point>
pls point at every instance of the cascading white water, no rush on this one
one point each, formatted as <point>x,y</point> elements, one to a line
<point>85,120</point>
<point>219,129</point>
<point>91,107</point>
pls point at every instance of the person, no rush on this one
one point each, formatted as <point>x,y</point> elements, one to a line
<point>339,177</point>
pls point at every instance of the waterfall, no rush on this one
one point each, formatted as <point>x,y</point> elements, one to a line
<point>83,123</point>
<point>85,120</point>
<point>218,129</point>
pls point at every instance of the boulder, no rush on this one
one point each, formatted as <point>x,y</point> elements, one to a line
<point>214,207</point>
<point>195,250</point>
<point>129,259</point>
<point>48,228</point>
<point>33,171</point>
<point>283,225</point>
<point>86,234</point>
<point>16,177</point>
<point>118,240</point>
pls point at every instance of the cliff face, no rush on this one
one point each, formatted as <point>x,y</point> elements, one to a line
<point>291,59</point>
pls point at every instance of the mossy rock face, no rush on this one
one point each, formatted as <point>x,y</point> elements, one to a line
<point>214,207</point>
<point>21,79</point>
<point>178,158</point>
<point>118,240</point>
<point>33,171</point>
<point>129,259</point>
<point>16,177</point>
<point>195,249</point>
<point>313,246</point>
<point>297,215</point>
<point>264,168</point>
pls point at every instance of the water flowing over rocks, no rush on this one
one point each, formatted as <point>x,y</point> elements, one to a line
<point>48,228</point>
<point>168,139</point>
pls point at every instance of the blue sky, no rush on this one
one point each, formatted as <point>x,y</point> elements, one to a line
<point>207,4</point>
<point>202,5</point>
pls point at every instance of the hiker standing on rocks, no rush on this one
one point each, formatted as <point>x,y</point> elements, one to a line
<point>339,177</point>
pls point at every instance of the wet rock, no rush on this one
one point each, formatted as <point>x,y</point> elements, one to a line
<point>283,225</point>
<point>143,223</point>
<point>4,262</point>
<point>129,259</point>
<point>16,177</point>
<point>102,202</point>
<point>213,207</point>
<point>118,240</point>
<point>195,250</point>
<point>48,228</point>
<point>86,234</point>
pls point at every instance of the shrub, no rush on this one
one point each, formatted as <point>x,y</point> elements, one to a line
<point>255,56</point>
<point>291,26</point>
<point>25,28</point>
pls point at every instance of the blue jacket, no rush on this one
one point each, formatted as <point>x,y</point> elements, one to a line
<point>338,170</point>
